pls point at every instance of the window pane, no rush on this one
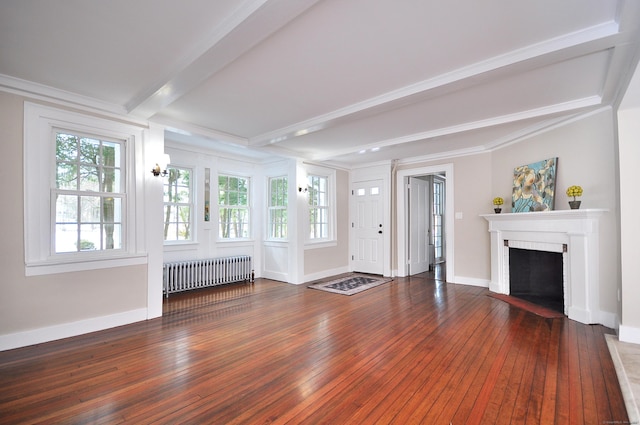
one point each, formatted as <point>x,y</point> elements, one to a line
<point>66,209</point>
<point>111,154</point>
<point>66,238</point>
<point>113,236</point>
<point>89,178</point>
<point>67,176</point>
<point>90,209</point>
<point>89,237</point>
<point>66,147</point>
<point>89,151</point>
<point>111,180</point>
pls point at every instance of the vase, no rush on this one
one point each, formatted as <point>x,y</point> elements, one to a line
<point>497,210</point>
<point>574,204</point>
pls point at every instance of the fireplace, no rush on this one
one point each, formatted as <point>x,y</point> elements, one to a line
<point>570,234</point>
<point>537,277</point>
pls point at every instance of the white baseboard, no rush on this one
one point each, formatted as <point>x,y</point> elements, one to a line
<point>66,330</point>
<point>471,281</point>
<point>629,334</point>
<point>325,273</point>
<point>610,320</point>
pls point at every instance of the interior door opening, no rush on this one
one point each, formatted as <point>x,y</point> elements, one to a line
<point>440,212</point>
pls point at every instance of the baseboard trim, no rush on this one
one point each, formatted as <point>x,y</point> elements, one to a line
<point>629,334</point>
<point>484,283</point>
<point>325,273</point>
<point>66,330</point>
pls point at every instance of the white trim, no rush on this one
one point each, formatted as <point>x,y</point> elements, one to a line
<point>66,330</point>
<point>449,216</point>
<point>332,199</point>
<point>629,334</point>
<point>39,269</point>
<point>471,281</point>
<point>325,273</point>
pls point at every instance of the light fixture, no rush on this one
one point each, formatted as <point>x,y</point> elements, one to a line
<point>303,189</point>
<point>160,168</point>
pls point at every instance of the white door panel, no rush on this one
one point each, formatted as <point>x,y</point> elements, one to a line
<point>419,207</point>
<point>368,232</point>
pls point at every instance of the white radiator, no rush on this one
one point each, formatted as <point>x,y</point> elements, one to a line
<point>185,275</point>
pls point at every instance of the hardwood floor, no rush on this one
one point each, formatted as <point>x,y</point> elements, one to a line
<point>415,350</point>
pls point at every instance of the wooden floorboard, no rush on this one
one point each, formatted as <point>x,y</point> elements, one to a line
<point>414,350</point>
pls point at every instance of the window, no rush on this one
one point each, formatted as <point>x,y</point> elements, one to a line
<point>88,197</point>
<point>318,207</point>
<point>278,195</point>
<point>233,204</point>
<point>178,205</point>
<point>78,189</point>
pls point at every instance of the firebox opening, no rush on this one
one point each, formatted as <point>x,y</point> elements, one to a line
<point>536,276</point>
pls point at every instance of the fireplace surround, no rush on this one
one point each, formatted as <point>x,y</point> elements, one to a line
<point>574,233</point>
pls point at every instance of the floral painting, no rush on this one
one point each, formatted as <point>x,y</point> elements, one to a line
<point>534,186</point>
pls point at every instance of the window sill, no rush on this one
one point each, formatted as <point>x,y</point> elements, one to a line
<point>320,244</point>
<point>75,265</point>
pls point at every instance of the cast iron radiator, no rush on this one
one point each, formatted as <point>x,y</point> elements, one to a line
<point>185,275</point>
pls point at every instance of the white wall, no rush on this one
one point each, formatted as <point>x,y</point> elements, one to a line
<point>629,156</point>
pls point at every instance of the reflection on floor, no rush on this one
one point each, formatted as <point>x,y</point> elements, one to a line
<point>626,358</point>
<point>438,272</point>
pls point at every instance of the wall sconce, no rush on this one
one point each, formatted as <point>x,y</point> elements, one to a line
<point>161,166</point>
<point>303,189</point>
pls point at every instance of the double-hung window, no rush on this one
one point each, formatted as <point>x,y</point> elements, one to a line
<point>89,199</point>
<point>278,196</point>
<point>178,205</point>
<point>233,207</point>
<point>79,184</point>
<point>318,207</point>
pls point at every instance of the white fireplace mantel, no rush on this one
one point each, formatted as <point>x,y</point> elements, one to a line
<point>573,232</point>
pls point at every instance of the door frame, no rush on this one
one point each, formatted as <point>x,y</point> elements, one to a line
<point>366,174</point>
<point>401,216</point>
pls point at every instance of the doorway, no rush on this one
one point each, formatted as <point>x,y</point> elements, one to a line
<point>441,226</point>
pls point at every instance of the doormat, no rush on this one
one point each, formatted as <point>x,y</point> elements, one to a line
<point>352,284</point>
<point>526,305</point>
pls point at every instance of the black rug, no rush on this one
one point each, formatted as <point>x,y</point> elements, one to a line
<point>352,284</point>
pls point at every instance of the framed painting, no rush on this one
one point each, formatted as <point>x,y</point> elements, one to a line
<point>534,186</point>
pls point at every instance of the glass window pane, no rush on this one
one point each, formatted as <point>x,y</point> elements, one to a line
<point>111,154</point>
<point>113,236</point>
<point>89,151</point>
<point>109,182</point>
<point>89,237</point>
<point>67,176</point>
<point>66,238</point>
<point>66,209</point>
<point>90,209</point>
<point>66,147</point>
<point>89,178</point>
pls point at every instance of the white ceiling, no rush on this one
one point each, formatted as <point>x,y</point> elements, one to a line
<point>342,81</point>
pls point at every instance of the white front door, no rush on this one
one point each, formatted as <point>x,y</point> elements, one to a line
<point>418,235</point>
<point>367,225</point>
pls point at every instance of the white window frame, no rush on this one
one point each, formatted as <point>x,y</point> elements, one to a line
<point>271,208</point>
<point>331,239</point>
<point>40,125</point>
<point>191,204</point>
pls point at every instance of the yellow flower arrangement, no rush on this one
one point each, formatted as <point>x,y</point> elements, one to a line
<point>574,191</point>
<point>498,201</point>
